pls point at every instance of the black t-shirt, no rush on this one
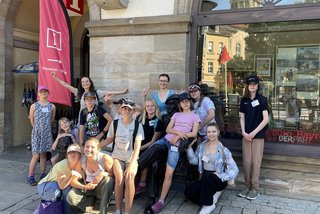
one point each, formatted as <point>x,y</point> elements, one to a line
<point>252,110</point>
<point>93,120</point>
<point>151,126</point>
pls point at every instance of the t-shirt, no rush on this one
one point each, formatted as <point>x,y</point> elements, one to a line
<point>184,123</point>
<point>60,168</point>
<point>92,121</point>
<point>252,109</point>
<point>83,105</point>
<point>161,103</point>
<point>149,128</point>
<point>202,111</point>
<point>123,147</point>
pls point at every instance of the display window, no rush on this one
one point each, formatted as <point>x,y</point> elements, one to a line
<point>285,56</point>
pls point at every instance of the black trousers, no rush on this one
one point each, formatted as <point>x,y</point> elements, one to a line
<point>201,191</point>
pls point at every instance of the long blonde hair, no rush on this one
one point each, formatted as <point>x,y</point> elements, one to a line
<point>145,113</point>
<point>66,120</point>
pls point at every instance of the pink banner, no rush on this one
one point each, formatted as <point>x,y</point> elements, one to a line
<point>54,50</point>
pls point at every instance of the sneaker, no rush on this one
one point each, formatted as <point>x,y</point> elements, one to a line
<point>42,176</point>
<point>31,181</point>
<point>140,189</point>
<point>207,209</point>
<point>244,192</point>
<point>253,194</point>
<point>157,207</point>
<point>117,212</point>
<point>216,197</point>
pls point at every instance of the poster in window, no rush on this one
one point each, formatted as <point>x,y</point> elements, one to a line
<point>263,66</point>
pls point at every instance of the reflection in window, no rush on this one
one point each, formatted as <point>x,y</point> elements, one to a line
<point>210,47</point>
<point>210,67</point>
<point>238,49</point>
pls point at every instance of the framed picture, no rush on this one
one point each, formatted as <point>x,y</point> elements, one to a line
<point>264,64</point>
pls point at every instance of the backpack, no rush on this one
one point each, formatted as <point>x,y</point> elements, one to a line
<point>134,135</point>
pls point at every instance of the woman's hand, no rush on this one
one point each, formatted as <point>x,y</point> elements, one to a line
<point>246,136</point>
<point>182,135</point>
<point>174,140</point>
<point>191,144</point>
<point>99,136</point>
<point>90,186</point>
<point>145,91</point>
<point>131,170</point>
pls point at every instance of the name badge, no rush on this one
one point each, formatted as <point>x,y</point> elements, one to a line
<point>151,123</point>
<point>174,149</point>
<point>255,103</point>
<point>45,109</point>
<point>205,159</point>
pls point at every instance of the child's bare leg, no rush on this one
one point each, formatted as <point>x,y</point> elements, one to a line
<point>119,183</point>
<point>33,164</point>
<point>43,162</point>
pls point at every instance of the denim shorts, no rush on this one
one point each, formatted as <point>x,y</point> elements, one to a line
<point>173,154</point>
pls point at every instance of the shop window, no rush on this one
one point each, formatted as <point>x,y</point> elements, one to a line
<point>286,57</point>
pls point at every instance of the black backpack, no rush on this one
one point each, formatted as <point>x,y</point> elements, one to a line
<point>134,135</point>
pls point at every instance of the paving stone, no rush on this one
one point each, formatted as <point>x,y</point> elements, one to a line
<point>230,210</point>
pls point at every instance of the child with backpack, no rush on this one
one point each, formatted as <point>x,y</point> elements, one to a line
<point>94,120</point>
<point>64,139</point>
<point>41,116</point>
<point>126,135</point>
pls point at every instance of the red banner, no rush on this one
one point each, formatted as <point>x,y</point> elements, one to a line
<point>74,7</point>
<point>54,50</point>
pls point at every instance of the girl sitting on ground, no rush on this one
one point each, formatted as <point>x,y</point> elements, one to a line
<point>64,139</point>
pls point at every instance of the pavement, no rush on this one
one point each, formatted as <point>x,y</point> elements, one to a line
<point>19,198</point>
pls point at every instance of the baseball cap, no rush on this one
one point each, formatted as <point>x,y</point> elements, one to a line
<point>74,148</point>
<point>128,103</point>
<point>184,96</point>
<point>90,94</point>
<point>252,78</point>
<point>194,87</point>
<point>43,87</point>
<point>120,101</point>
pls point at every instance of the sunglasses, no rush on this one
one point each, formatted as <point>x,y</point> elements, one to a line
<point>126,102</point>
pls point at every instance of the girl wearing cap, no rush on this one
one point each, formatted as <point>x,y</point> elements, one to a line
<point>160,96</point>
<point>253,120</point>
<point>57,182</point>
<point>42,114</point>
<point>210,157</point>
<point>126,135</point>
<point>183,125</point>
<point>204,107</point>
<point>98,182</point>
<point>63,140</point>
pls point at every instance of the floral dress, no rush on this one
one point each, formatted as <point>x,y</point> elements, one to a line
<point>41,136</point>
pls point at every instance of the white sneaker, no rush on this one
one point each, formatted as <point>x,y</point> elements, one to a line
<point>207,209</point>
<point>216,197</point>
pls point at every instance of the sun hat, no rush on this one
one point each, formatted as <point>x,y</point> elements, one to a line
<point>74,148</point>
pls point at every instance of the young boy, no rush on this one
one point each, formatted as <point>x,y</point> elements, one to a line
<point>91,119</point>
<point>127,135</point>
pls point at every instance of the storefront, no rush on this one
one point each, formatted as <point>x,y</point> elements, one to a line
<point>277,40</point>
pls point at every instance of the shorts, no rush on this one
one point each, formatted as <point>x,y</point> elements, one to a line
<point>173,152</point>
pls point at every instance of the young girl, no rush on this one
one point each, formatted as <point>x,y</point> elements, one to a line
<point>153,128</point>
<point>127,135</point>
<point>209,158</point>
<point>183,125</point>
<point>63,140</point>
<point>203,106</point>
<point>253,119</point>
<point>41,116</point>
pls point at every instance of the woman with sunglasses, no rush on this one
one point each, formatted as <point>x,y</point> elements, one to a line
<point>160,96</point>
<point>204,107</point>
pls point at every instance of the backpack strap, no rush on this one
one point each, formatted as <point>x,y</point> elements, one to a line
<point>135,131</point>
<point>115,126</point>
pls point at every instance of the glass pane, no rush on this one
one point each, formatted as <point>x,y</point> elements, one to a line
<point>208,5</point>
<point>285,56</point>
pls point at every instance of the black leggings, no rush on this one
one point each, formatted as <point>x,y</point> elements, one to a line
<point>201,191</point>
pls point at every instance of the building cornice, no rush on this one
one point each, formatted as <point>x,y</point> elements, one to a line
<point>139,26</point>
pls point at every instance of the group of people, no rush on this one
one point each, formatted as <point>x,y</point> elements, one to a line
<point>102,154</point>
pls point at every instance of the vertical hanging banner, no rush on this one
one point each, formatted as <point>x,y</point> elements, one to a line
<point>55,50</point>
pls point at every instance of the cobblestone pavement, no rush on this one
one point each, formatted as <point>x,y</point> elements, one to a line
<point>17,197</point>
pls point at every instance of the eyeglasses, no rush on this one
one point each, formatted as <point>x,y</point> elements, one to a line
<point>164,81</point>
<point>191,91</point>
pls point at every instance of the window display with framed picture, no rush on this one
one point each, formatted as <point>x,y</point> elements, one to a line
<point>264,64</point>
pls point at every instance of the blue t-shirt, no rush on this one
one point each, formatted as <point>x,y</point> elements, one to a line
<point>161,104</point>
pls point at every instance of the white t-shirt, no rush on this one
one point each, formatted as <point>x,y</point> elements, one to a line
<point>123,147</point>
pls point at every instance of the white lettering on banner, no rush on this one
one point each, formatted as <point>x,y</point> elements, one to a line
<point>54,39</point>
<point>75,5</point>
<point>290,139</point>
<point>287,136</point>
